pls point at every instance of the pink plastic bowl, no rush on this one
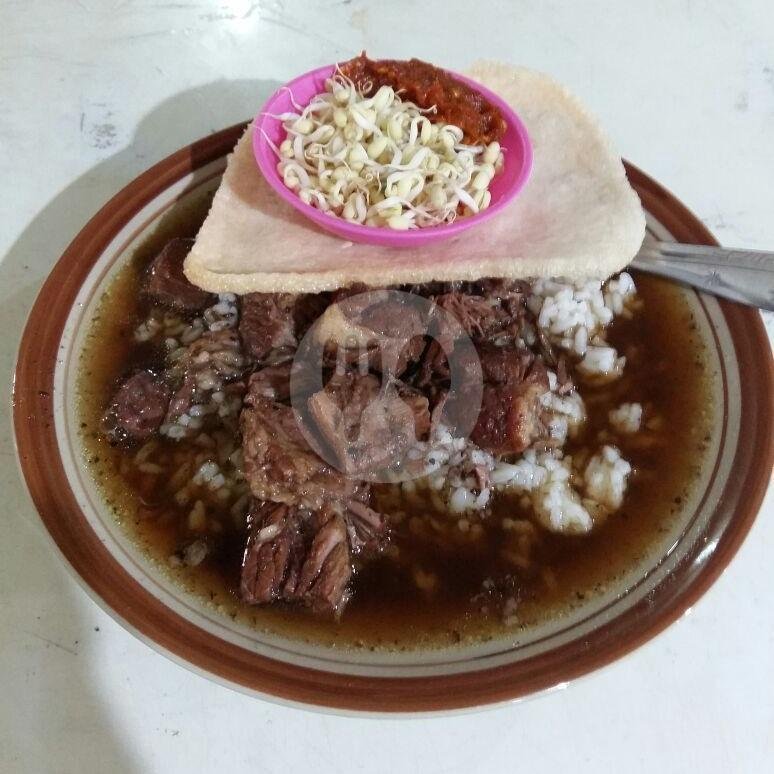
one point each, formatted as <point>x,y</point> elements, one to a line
<point>505,186</point>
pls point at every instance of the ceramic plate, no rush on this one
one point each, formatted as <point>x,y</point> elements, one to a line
<point>121,579</point>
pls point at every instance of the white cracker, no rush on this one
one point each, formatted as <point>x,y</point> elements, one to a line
<point>577,217</point>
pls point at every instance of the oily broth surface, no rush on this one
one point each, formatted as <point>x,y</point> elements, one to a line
<point>666,370</point>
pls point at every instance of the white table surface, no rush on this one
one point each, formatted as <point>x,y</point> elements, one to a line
<point>94,91</point>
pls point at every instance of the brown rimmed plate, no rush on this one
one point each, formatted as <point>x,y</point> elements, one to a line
<point>124,582</point>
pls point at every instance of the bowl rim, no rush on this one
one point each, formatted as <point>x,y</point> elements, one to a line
<point>144,615</point>
<point>369,234</point>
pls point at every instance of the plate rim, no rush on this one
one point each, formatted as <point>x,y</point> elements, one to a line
<point>146,617</point>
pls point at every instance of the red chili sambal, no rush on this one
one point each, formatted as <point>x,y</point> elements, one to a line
<point>426,85</point>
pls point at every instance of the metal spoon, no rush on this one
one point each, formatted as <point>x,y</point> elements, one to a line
<point>741,275</point>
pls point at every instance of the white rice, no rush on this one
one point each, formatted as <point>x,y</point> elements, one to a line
<point>450,478</point>
<point>195,553</point>
<point>619,294</point>
<point>546,479</point>
<point>147,330</point>
<point>192,332</point>
<point>605,477</point>
<point>627,418</point>
<point>565,414</point>
<point>574,316</point>
<point>206,473</point>
<point>601,361</point>
<point>210,396</point>
<point>562,500</point>
<point>222,315</point>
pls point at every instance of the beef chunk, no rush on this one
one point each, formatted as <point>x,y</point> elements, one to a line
<point>493,287</point>
<point>273,323</point>
<point>279,463</point>
<point>272,531</point>
<point>382,331</point>
<point>329,590</point>
<point>355,289</point>
<point>509,419</point>
<point>430,289</point>
<point>339,410</point>
<point>489,311</point>
<point>137,409</point>
<point>494,313</point>
<point>166,284</point>
<point>433,367</point>
<point>484,320</point>
<point>380,356</point>
<point>486,308</point>
<point>398,329</point>
<point>389,315</point>
<point>296,555</point>
<point>326,568</point>
<point>183,398</point>
<point>274,382</point>
<point>308,308</point>
<point>367,529</point>
<point>481,317</point>
<point>419,406</point>
<point>368,429</point>
<point>267,324</point>
<point>503,365</point>
<point>437,408</point>
<point>510,290</point>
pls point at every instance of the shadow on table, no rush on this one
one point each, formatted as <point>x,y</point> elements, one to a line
<point>51,705</point>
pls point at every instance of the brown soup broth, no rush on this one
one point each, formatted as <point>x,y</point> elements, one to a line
<point>464,577</point>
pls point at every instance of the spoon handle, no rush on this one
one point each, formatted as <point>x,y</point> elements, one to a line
<point>741,275</point>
